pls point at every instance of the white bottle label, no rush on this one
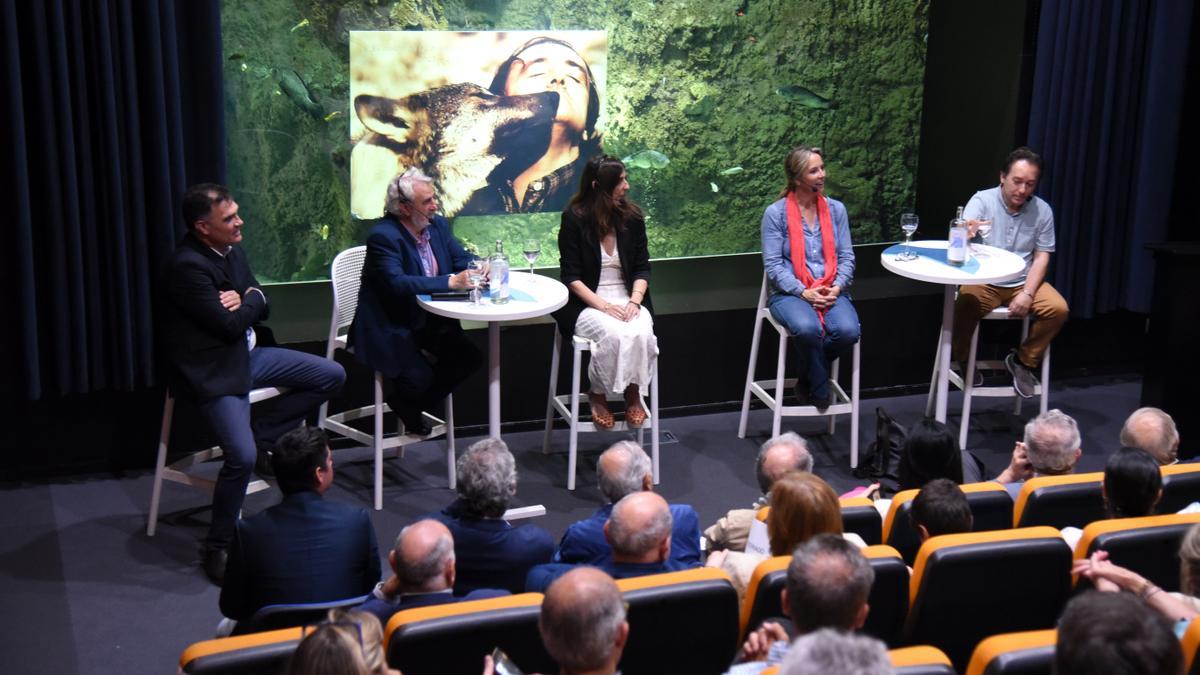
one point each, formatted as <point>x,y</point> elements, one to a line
<point>956,252</point>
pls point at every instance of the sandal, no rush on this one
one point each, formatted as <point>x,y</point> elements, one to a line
<point>602,417</point>
<point>635,414</point>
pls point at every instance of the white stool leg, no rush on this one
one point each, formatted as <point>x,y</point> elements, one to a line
<point>854,373</point>
<point>968,389</point>
<point>1046,379</point>
<point>833,377</point>
<point>654,420</point>
<point>933,379</point>
<point>378,441</point>
<point>553,390</point>
<point>164,438</point>
<point>573,444</point>
<point>451,458</point>
<point>758,322</point>
<point>777,408</point>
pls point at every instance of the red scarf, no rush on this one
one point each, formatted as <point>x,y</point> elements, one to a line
<point>795,227</point>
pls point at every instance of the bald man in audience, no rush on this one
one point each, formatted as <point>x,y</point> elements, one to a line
<point>1052,447</point>
<point>779,455</point>
<point>624,469</point>
<point>583,622</point>
<point>639,532</point>
<point>422,561</point>
<point>1152,430</point>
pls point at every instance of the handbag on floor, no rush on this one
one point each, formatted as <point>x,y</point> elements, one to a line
<point>881,461</point>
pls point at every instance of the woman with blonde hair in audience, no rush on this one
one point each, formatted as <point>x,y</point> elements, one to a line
<point>802,506</point>
<point>1179,607</point>
<point>347,643</point>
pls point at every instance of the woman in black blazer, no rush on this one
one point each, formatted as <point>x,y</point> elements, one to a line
<point>605,262</point>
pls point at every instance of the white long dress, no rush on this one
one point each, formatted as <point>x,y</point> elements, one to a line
<point>623,352</point>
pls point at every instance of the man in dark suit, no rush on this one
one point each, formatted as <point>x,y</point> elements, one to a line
<point>410,252</point>
<point>490,552</point>
<point>304,549</point>
<point>423,562</point>
<point>217,350</point>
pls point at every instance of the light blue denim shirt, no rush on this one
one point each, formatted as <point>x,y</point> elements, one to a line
<point>1024,232</point>
<point>777,250</point>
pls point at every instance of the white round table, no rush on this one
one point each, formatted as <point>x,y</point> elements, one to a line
<point>993,266</point>
<point>531,295</point>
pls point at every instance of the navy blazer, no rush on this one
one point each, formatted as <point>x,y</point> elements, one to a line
<point>579,260</point>
<point>392,278</point>
<point>490,552</point>
<point>203,343</point>
<point>584,541</point>
<point>304,549</point>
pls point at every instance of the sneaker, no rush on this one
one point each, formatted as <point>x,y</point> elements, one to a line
<point>977,381</point>
<point>1024,382</point>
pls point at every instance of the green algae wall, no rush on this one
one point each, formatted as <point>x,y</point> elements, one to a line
<point>715,86</point>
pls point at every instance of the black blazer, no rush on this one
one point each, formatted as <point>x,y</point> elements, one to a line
<point>204,344</point>
<point>579,260</point>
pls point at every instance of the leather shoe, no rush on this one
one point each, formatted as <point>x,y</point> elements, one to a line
<point>414,421</point>
<point>801,392</point>
<point>214,565</point>
<point>263,466</point>
<point>821,403</point>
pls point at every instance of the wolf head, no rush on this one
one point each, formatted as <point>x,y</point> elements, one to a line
<point>456,134</point>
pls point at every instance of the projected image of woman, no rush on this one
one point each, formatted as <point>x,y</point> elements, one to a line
<point>605,263</point>
<point>541,174</point>
<point>810,264</point>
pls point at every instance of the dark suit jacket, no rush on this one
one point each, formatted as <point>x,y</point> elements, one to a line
<point>392,278</point>
<point>584,541</point>
<point>384,609</point>
<point>203,343</point>
<point>304,549</point>
<point>540,577</point>
<point>491,553</point>
<point>579,260</point>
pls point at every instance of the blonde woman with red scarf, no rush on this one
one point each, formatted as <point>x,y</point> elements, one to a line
<point>810,264</point>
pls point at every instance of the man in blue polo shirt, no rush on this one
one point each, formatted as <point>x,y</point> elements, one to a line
<point>1023,224</point>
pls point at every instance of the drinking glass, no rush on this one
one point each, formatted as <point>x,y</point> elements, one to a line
<point>532,249</point>
<point>475,271</point>
<point>908,223</point>
<point>984,229</point>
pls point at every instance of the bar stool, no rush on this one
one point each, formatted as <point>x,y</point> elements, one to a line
<point>567,407</point>
<point>840,405</point>
<point>966,381</point>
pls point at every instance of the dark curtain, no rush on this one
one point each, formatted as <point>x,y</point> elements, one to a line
<point>110,108</point>
<point>1107,95</point>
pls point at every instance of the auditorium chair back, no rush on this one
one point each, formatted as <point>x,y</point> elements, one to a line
<point>920,660</point>
<point>1060,501</point>
<point>860,517</point>
<point>966,587</point>
<point>1191,648</point>
<point>274,617</point>
<point>679,622</point>
<point>1148,546</point>
<point>454,638</point>
<point>1026,653</point>
<point>991,509</point>
<point>241,655</point>
<point>1181,486</point>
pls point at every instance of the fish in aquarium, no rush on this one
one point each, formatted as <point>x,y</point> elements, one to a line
<point>732,171</point>
<point>291,84</point>
<point>805,97</point>
<point>715,187</point>
<point>647,159</point>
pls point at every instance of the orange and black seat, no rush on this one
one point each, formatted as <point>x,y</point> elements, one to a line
<point>1027,653</point>
<point>762,599</point>
<point>1191,648</point>
<point>242,655</point>
<point>1148,546</point>
<point>1060,501</point>
<point>920,660</point>
<point>679,622</point>
<point>966,587</point>
<point>991,509</point>
<point>860,517</point>
<point>1181,486</point>
<point>454,638</point>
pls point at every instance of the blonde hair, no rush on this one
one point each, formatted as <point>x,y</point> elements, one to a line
<point>802,506</point>
<point>1189,561</point>
<point>796,162</point>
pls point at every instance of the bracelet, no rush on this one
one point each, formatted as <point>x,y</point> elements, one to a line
<point>635,302</point>
<point>1027,293</point>
<point>1148,590</point>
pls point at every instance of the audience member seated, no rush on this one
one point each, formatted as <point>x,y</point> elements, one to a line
<point>829,651</point>
<point>1051,448</point>
<point>940,508</point>
<point>583,622</point>
<point>1131,489</point>
<point>423,564</point>
<point>1178,607</point>
<point>1115,633</point>
<point>490,552</point>
<point>779,455</point>
<point>802,506</point>
<point>622,470</point>
<point>931,451</point>
<point>304,549</point>
<point>639,532</point>
<point>1152,430</point>
<point>828,582</point>
<point>347,643</point>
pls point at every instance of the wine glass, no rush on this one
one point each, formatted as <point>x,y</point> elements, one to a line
<point>475,277</point>
<point>984,227</point>
<point>908,223</point>
<point>532,249</point>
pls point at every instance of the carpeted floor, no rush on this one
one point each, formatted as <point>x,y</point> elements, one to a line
<point>86,591</point>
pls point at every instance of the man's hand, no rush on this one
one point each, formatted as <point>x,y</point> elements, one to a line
<point>1020,304</point>
<point>460,281</point>
<point>630,311</point>
<point>391,588</point>
<point>230,300</point>
<point>759,642</point>
<point>1019,468</point>
<point>973,226</point>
